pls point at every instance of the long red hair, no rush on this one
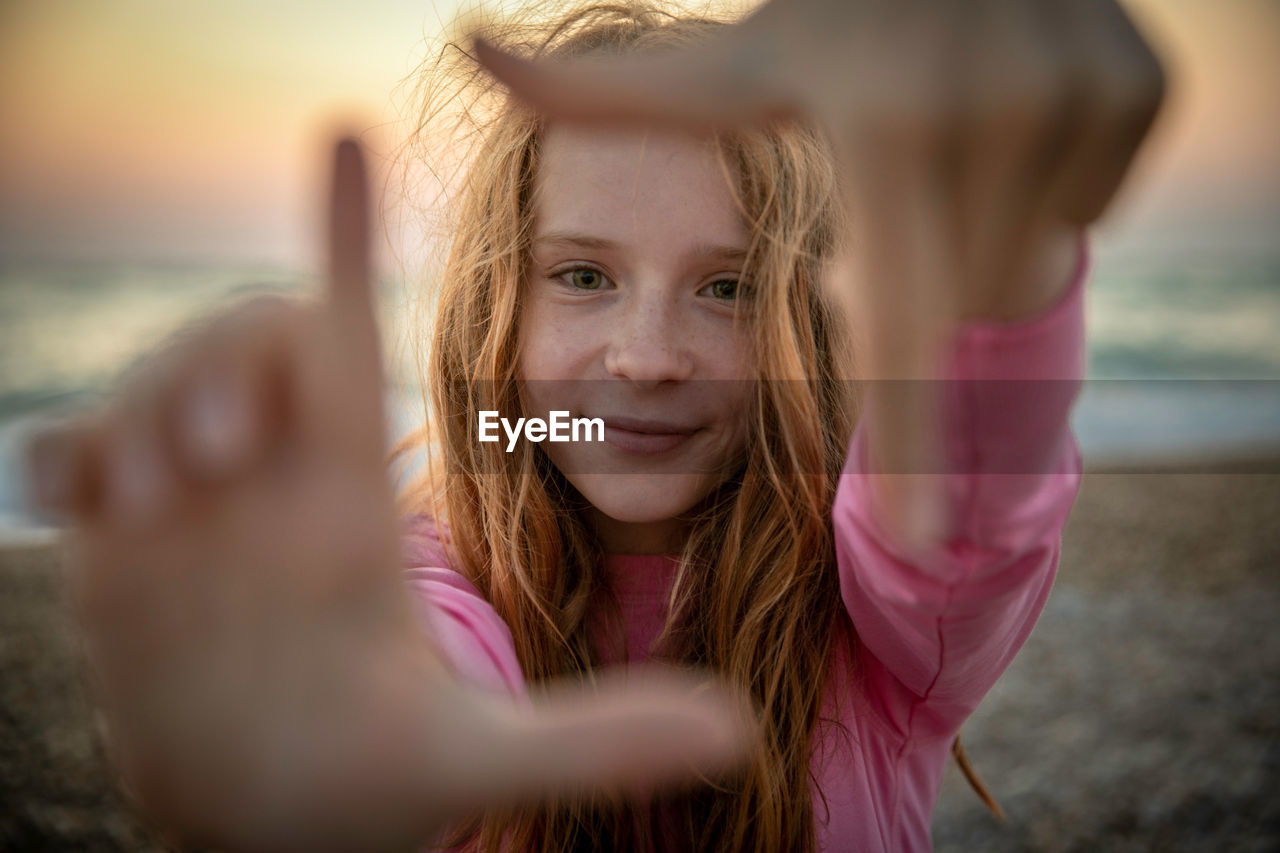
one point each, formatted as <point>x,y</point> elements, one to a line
<point>756,597</point>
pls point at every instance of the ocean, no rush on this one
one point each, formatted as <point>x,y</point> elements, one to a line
<point>1184,349</point>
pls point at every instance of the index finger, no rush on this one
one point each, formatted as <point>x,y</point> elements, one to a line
<point>717,84</point>
<point>349,263</point>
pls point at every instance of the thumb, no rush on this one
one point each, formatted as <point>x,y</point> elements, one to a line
<point>715,84</point>
<point>630,731</point>
<point>905,279</point>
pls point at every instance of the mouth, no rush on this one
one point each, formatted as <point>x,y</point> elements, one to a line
<point>635,435</point>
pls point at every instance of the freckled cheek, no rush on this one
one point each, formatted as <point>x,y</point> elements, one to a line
<point>727,353</point>
<point>554,358</point>
<point>736,362</point>
<point>550,347</point>
<point>737,409</point>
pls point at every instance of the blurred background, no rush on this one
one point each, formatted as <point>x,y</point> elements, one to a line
<point>159,158</point>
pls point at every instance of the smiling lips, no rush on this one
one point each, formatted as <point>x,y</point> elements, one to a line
<point>635,435</point>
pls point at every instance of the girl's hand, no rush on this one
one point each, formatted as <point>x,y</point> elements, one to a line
<point>974,140</point>
<point>235,564</point>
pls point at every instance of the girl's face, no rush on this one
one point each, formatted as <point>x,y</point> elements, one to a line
<point>628,316</point>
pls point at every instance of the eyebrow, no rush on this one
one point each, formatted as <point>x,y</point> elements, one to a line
<point>588,241</point>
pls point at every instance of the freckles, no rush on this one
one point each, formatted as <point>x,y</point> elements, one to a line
<point>553,350</point>
<point>729,352</point>
<point>564,341</point>
<point>540,335</point>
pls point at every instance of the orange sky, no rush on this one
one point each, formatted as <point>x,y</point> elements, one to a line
<point>159,129</point>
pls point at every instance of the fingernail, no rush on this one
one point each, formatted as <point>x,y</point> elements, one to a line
<point>215,424</point>
<point>134,487</point>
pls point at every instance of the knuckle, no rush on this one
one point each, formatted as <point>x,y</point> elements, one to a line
<point>1145,86</point>
<point>1129,79</point>
<point>136,470</point>
<point>1030,92</point>
<point>262,314</point>
<point>271,304</point>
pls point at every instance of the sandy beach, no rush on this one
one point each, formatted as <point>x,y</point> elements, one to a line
<point>1143,714</point>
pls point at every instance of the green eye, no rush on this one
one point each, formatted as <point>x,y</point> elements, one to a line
<point>725,288</point>
<point>586,279</point>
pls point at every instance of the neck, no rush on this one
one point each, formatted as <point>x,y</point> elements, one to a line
<point>649,537</point>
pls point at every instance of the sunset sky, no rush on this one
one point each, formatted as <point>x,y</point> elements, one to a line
<point>182,130</point>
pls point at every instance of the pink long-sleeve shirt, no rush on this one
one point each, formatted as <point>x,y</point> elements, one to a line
<point>935,631</point>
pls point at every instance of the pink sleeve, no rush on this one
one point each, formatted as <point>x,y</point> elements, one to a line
<point>937,630</point>
<point>465,629</point>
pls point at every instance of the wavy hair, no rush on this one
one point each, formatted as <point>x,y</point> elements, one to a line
<point>756,596</point>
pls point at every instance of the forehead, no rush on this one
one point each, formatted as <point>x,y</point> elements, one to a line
<point>632,184</point>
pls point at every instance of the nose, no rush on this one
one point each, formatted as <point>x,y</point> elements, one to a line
<point>648,346</point>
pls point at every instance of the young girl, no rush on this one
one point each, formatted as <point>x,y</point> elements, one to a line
<point>267,682</point>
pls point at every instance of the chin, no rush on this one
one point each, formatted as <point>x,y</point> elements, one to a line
<point>642,498</point>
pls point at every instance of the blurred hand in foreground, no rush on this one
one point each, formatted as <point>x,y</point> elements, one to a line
<point>235,563</point>
<point>973,141</point>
